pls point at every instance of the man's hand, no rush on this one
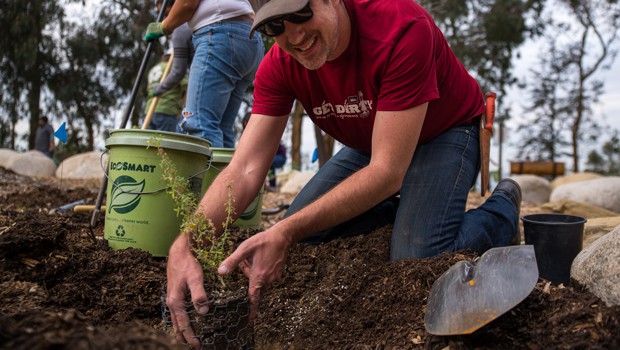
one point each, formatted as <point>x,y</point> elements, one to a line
<point>154,31</point>
<point>261,258</point>
<point>184,273</point>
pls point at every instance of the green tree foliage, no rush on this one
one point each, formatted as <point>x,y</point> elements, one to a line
<point>485,35</point>
<point>584,35</point>
<point>609,162</point>
<point>81,84</point>
<point>5,132</point>
<point>593,28</point>
<point>544,137</point>
<point>27,48</point>
<point>121,26</point>
<point>611,150</point>
<point>99,59</point>
<point>595,163</point>
<point>74,70</point>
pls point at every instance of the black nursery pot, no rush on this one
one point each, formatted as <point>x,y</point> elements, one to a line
<point>557,239</point>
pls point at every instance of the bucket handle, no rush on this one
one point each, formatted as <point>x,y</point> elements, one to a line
<point>210,165</point>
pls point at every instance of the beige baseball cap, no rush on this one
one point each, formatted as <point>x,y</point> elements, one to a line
<point>276,8</point>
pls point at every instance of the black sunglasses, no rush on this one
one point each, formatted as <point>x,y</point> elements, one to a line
<point>275,26</point>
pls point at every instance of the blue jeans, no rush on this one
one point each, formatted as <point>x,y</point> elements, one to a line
<point>278,162</point>
<point>225,62</point>
<point>429,216</point>
<point>163,122</point>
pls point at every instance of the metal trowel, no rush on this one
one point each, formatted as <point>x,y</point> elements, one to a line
<point>471,294</point>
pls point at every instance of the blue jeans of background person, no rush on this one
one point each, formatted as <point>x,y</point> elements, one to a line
<point>429,217</point>
<point>163,122</point>
<point>224,65</point>
<point>278,162</point>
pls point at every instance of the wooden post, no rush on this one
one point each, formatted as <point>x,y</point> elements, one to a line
<point>501,142</point>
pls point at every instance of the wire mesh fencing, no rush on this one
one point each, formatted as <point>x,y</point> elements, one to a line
<point>226,326</point>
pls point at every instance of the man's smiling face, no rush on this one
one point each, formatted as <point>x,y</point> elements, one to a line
<point>316,41</point>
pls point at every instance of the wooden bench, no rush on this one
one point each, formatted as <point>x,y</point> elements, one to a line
<point>552,169</point>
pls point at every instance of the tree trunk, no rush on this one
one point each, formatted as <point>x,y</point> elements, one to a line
<point>13,134</point>
<point>34,97</point>
<point>73,141</point>
<point>500,150</point>
<point>576,126</point>
<point>325,145</point>
<point>88,122</point>
<point>296,119</point>
<point>589,20</point>
<point>14,117</point>
<point>34,78</point>
<point>90,138</point>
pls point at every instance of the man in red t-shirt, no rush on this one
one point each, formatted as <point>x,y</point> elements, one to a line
<point>380,78</point>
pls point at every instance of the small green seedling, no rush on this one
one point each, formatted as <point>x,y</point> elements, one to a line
<point>209,247</point>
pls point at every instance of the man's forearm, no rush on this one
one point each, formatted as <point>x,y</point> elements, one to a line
<point>244,188</point>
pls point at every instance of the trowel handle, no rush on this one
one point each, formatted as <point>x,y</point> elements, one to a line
<point>489,113</point>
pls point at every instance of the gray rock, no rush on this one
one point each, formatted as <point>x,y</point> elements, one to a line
<point>82,166</point>
<point>563,180</point>
<point>598,227</point>
<point>570,207</point>
<point>598,267</point>
<point>296,180</point>
<point>33,163</point>
<point>603,192</point>
<point>534,189</point>
<point>6,157</point>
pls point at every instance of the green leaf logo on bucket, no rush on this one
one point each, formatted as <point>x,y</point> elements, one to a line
<point>125,194</point>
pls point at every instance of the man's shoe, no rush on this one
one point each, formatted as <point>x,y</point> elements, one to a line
<point>513,190</point>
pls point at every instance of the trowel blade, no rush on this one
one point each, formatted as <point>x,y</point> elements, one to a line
<point>469,295</point>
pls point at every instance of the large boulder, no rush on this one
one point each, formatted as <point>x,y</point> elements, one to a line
<point>32,163</point>
<point>570,207</point>
<point>534,189</point>
<point>563,180</point>
<point>296,181</point>
<point>6,157</point>
<point>597,228</point>
<point>598,267</point>
<point>603,192</point>
<point>82,166</point>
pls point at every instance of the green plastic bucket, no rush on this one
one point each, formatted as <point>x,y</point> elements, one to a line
<point>220,157</point>
<point>139,212</point>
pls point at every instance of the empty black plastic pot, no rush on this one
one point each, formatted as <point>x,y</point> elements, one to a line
<point>557,239</point>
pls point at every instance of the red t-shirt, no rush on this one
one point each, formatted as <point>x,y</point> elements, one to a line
<point>397,59</point>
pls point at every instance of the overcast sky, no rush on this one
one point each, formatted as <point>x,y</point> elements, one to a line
<point>608,109</point>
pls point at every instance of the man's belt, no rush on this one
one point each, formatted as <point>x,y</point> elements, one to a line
<point>242,18</point>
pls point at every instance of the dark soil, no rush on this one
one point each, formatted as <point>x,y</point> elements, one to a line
<point>60,289</point>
